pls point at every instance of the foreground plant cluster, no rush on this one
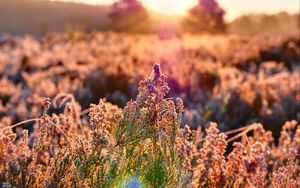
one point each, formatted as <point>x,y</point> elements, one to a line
<point>143,144</point>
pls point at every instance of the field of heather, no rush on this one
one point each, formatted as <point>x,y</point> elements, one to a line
<point>123,110</point>
<point>231,80</point>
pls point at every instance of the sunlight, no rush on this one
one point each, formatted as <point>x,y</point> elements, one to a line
<point>165,6</point>
<point>170,6</point>
<point>233,8</point>
<point>92,2</point>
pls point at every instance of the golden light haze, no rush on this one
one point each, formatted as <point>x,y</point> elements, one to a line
<point>234,8</point>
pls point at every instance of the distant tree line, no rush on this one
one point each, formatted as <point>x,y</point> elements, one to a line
<point>131,15</point>
<point>265,23</point>
<point>37,18</point>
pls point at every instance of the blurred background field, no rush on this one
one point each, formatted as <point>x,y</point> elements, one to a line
<point>233,70</point>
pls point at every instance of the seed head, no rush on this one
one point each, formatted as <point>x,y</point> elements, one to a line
<point>46,103</point>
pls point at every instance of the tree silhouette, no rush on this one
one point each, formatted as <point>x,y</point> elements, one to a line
<point>207,15</point>
<point>129,16</point>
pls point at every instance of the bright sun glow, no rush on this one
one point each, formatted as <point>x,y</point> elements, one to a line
<point>169,6</point>
<point>233,8</point>
<point>166,6</point>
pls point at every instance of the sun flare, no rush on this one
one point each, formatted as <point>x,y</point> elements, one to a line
<point>169,6</point>
<point>166,6</point>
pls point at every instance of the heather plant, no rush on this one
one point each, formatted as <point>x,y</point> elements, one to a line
<point>231,80</point>
<point>143,144</point>
<point>67,143</point>
<point>148,131</point>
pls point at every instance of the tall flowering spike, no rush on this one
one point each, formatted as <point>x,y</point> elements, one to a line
<point>159,83</point>
<point>150,125</point>
<point>154,89</point>
<point>287,175</point>
<point>211,163</point>
<point>157,72</point>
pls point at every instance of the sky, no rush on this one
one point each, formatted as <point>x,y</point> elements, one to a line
<point>234,8</point>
